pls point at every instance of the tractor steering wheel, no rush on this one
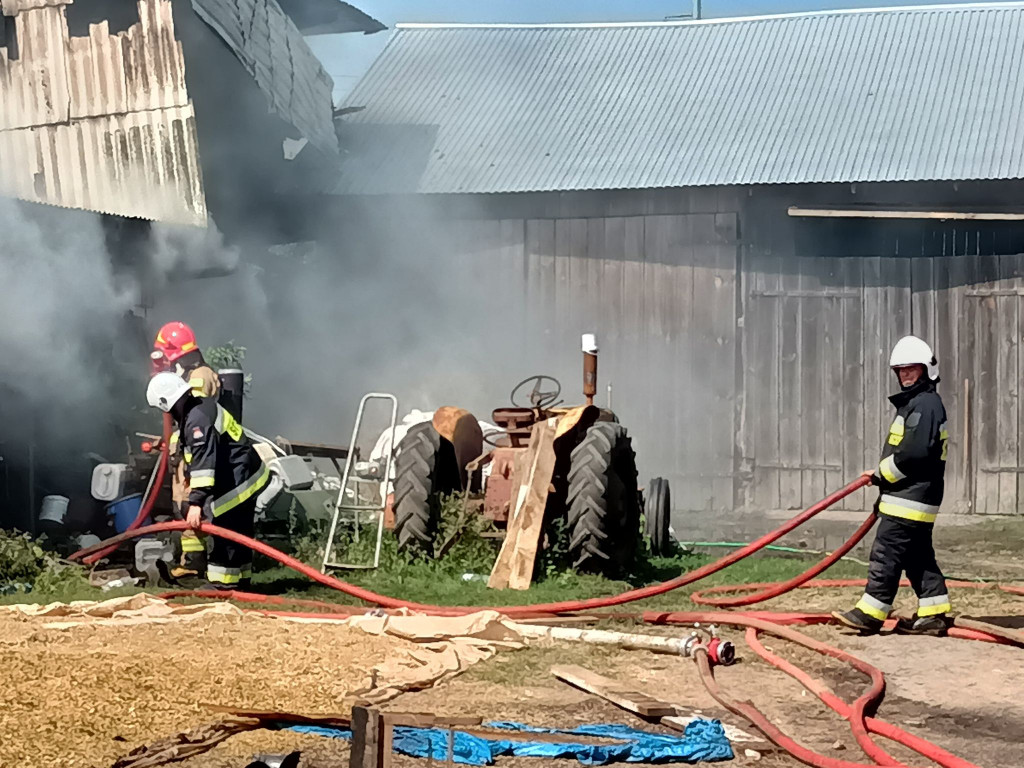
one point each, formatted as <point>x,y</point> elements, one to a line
<point>496,438</point>
<point>538,397</point>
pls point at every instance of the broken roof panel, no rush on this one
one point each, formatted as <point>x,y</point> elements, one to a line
<point>274,53</point>
<point>328,17</point>
<point>899,94</point>
<point>103,122</point>
<point>139,164</point>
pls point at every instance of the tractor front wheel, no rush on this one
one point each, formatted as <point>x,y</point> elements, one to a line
<point>425,468</point>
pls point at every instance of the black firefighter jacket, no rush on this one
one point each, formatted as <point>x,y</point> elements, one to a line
<point>221,464</point>
<point>910,474</point>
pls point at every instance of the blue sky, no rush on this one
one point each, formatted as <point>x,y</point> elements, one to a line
<point>347,57</point>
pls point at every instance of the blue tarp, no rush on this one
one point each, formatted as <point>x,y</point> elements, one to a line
<point>704,741</point>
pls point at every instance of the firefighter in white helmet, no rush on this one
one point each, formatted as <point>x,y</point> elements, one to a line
<point>910,478</point>
<point>175,349</point>
<point>225,474</point>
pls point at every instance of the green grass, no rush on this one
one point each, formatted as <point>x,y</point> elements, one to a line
<point>68,594</point>
<point>440,581</point>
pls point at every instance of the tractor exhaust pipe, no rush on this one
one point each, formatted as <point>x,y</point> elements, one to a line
<point>589,367</point>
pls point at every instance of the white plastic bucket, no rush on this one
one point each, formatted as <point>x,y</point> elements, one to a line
<point>54,509</point>
<point>108,481</point>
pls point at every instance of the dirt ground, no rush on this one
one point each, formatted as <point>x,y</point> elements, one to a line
<point>86,695</point>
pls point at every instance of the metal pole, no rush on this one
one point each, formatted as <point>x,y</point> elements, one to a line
<point>387,480</point>
<point>344,482</point>
<point>589,367</point>
<point>32,512</point>
<point>696,9</point>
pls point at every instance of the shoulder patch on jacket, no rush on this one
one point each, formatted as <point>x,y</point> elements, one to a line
<point>913,419</point>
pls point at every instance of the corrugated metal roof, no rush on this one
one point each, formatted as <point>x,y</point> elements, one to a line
<point>274,53</point>
<point>897,94</point>
<point>328,17</point>
<point>102,122</point>
<point>138,164</point>
<point>13,7</point>
<point>141,69</point>
<point>40,68</point>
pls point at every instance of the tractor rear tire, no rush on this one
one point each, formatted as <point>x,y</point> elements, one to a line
<point>424,464</point>
<point>603,503</point>
<point>657,517</point>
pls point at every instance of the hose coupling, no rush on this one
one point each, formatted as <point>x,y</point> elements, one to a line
<point>721,651</point>
<point>691,644</point>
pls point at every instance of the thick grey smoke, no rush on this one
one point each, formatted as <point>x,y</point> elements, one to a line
<point>190,251</point>
<point>61,301</point>
<point>74,340</point>
<point>374,304</point>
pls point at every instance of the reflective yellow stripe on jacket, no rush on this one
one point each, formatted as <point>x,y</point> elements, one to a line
<point>887,468</point>
<point>893,506</point>
<point>242,493</point>
<point>226,423</point>
<point>896,431</point>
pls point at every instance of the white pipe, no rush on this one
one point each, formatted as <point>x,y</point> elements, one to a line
<point>677,646</point>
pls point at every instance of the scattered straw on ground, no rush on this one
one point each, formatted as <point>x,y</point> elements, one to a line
<point>86,695</point>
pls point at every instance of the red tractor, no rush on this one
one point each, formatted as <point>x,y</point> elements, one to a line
<point>593,493</point>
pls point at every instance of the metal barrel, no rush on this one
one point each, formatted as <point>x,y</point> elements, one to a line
<point>232,386</point>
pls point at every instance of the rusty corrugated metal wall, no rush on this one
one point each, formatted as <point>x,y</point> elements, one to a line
<point>102,122</point>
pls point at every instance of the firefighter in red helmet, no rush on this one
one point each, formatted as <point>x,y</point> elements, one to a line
<point>176,350</point>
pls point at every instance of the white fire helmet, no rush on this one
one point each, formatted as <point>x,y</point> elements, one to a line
<point>911,350</point>
<point>165,389</point>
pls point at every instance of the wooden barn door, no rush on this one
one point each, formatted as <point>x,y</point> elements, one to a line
<point>816,337</point>
<point>975,307</point>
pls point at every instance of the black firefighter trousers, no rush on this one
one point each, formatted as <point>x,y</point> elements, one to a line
<point>904,545</point>
<point>230,564</point>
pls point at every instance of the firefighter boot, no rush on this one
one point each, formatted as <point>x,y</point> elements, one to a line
<point>858,620</point>
<point>193,557</point>
<point>935,626</point>
<point>191,570</point>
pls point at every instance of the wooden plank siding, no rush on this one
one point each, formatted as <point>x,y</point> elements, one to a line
<point>759,378</point>
<point>660,293</point>
<point>963,300</point>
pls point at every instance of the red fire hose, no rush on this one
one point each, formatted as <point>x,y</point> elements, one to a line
<point>569,606</point>
<point>882,728</point>
<point>802,582</point>
<point>154,490</point>
<point>753,715</point>
<point>780,588</point>
<point>855,714</point>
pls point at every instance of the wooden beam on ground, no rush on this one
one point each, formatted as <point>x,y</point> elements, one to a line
<point>621,696</point>
<point>274,716</point>
<point>642,705</point>
<point>185,745</point>
<point>514,566</point>
<point>877,213</point>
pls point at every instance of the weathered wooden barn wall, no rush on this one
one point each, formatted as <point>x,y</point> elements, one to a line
<point>660,293</point>
<point>747,349</point>
<point>823,301</point>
